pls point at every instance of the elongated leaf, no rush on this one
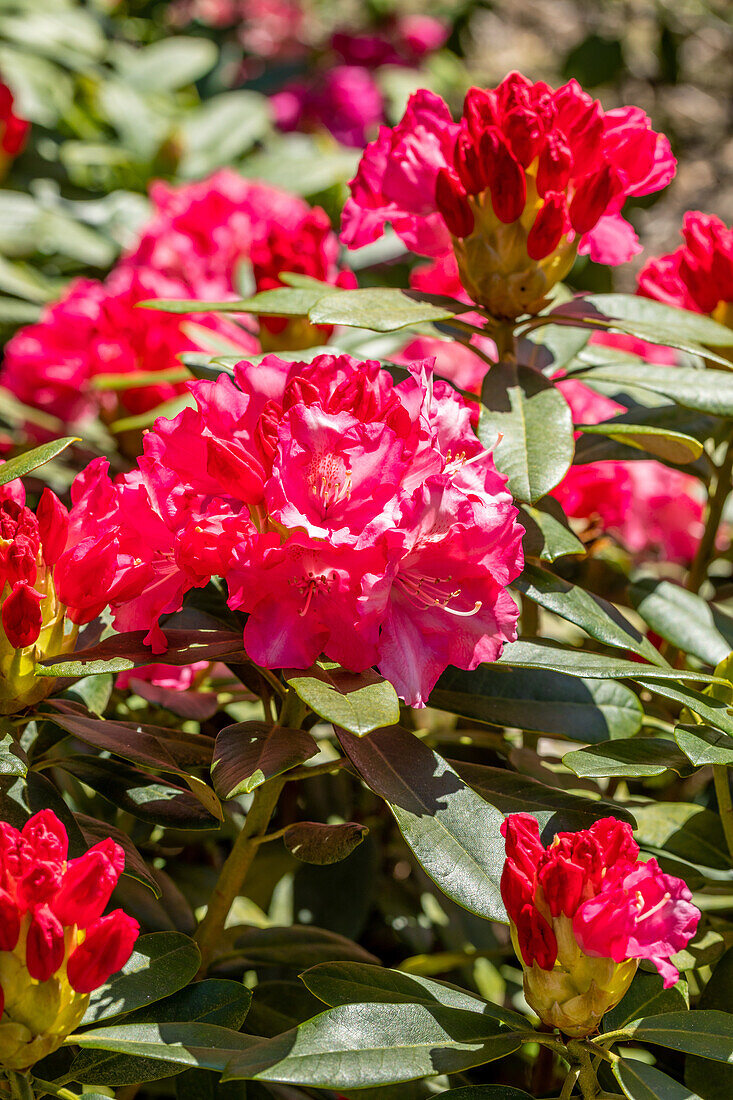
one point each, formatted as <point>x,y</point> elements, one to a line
<point>684,619</point>
<point>531,420</point>
<point>683,830</point>
<point>161,964</point>
<point>184,648</point>
<point>135,867</point>
<point>358,702</point>
<point>596,616</point>
<point>705,1032</point>
<point>344,983</point>
<point>661,443</point>
<point>713,711</point>
<point>595,447</point>
<point>248,753</point>
<point>295,947</point>
<point>311,842</point>
<point>352,1046</point>
<point>641,1081</point>
<point>31,460</point>
<point>12,757</point>
<point>646,997</point>
<point>207,1046</point>
<point>714,1082</point>
<point>707,391</point>
<point>88,668</point>
<point>547,535</point>
<point>486,1092</point>
<point>577,662</point>
<point>542,701</point>
<point>670,320</point>
<point>453,833</point>
<point>705,745</point>
<point>641,756</point>
<point>383,309</point>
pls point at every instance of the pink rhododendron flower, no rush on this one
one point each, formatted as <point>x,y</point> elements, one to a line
<point>345,100</point>
<point>699,274</point>
<point>350,517</point>
<point>170,677</point>
<point>96,329</point>
<point>653,510</point>
<point>528,177</point>
<point>402,41</point>
<point>583,912</point>
<point>13,129</point>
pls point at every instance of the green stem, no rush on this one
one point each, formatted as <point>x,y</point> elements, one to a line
<point>713,514</point>
<point>54,1089</point>
<point>235,870</point>
<point>586,1075</point>
<point>506,342</point>
<point>292,712</point>
<point>721,779</point>
<point>20,1085</point>
<point>569,1083</point>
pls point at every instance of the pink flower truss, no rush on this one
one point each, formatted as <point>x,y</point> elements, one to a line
<point>13,129</point>
<point>652,510</point>
<point>621,908</point>
<point>350,517</point>
<point>586,161</point>
<point>96,328</point>
<point>345,100</point>
<point>699,274</point>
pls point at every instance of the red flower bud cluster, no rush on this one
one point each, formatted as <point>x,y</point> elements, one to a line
<point>29,544</point>
<point>13,129</point>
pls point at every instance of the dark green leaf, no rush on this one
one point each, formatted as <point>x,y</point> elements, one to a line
<point>641,756</point>
<point>135,866</point>
<point>541,701</point>
<point>382,309</point>
<point>207,1046</point>
<point>295,947</point>
<point>249,753</point>
<point>526,422</point>
<point>12,757</point>
<point>641,1081</point>
<point>714,712</point>
<point>682,830</point>
<point>705,1032</point>
<point>486,1092</point>
<point>453,833</point>
<point>31,460</point>
<point>705,745</point>
<point>707,391</point>
<point>596,616</point>
<point>670,320</point>
<point>684,619</point>
<point>358,702</point>
<point>547,535</point>
<point>353,1046</point>
<point>311,842</point>
<point>646,997</point>
<point>714,1082</point>
<point>662,443</point>
<point>538,653</point>
<point>161,964</point>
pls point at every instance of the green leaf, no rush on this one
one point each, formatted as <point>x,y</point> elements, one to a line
<point>539,653</point>
<point>683,618</point>
<point>357,702</point>
<point>703,745</point>
<point>383,309</point>
<point>596,616</point>
<point>705,1032</point>
<point>132,381</point>
<point>353,1046</point>
<point>248,753</point>
<point>345,983</point>
<point>646,997</point>
<point>206,1046</point>
<point>547,535</point>
<point>540,701</point>
<point>161,964</point>
<point>682,830</point>
<point>220,130</point>
<point>714,1082</point>
<point>669,320</point>
<point>641,1081</point>
<point>527,423</point>
<point>12,757</point>
<point>594,447</point>
<point>167,65</point>
<point>295,947</point>
<point>88,668</point>
<point>486,1092</point>
<point>452,832</point>
<point>31,460</point>
<point>311,842</point>
<point>641,756</point>
<point>94,831</point>
<point>662,443</point>
<point>714,712</point>
<point>707,391</point>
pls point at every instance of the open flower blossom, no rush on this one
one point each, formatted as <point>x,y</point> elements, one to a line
<point>699,274</point>
<point>527,179</point>
<point>583,912</point>
<point>32,619</point>
<point>350,516</point>
<point>13,129</point>
<point>96,329</point>
<point>56,944</point>
<point>345,100</point>
<point>655,512</point>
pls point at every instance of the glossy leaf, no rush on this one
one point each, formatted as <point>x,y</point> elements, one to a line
<point>578,662</point>
<point>357,702</point>
<point>526,422</point>
<point>641,756</point>
<point>161,964</point>
<point>714,1082</point>
<point>383,309</point>
<point>353,1046</point>
<point>249,753</point>
<point>31,460</point>
<point>670,320</point>
<point>184,648</point>
<point>640,1081</point>
<point>312,842</point>
<point>705,745</point>
<point>671,446</point>
<point>707,1033</point>
<point>707,391</point>
<point>295,947</point>
<point>452,832</point>
<point>541,701</point>
<point>646,997</point>
<point>683,618</point>
<point>547,535</point>
<point>207,1046</point>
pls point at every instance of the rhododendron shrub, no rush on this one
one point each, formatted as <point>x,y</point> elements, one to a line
<point>583,911</point>
<point>350,517</point>
<point>56,944</point>
<point>528,178</point>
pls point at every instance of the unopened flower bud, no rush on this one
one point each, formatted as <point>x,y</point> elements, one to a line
<point>593,195</point>
<point>106,947</point>
<point>452,202</point>
<point>546,233</point>
<point>22,617</point>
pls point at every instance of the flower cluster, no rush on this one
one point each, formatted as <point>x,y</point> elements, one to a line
<point>699,274</point>
<point>583,912</point>
<point>529,177</point>
<point>31,616</point>
<point>350,516</point>
<point>56,946</point>
<point>13,129</point>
